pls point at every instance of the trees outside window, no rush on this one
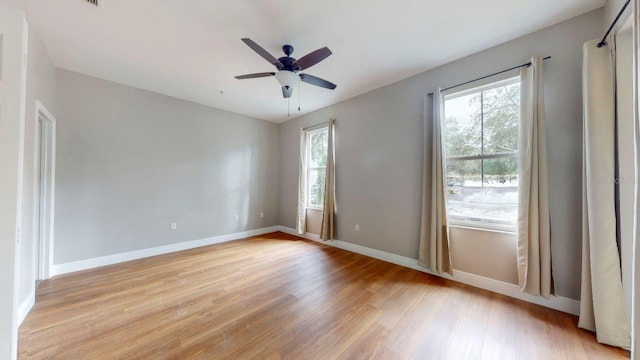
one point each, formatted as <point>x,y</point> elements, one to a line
<point>481,155</point>
<point>317,146</point>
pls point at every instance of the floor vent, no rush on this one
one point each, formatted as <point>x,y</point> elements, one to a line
<point>93,2</point>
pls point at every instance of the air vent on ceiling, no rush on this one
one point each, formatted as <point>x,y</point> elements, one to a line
<point>93,2</point>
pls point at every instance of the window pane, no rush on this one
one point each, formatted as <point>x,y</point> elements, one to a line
<point>464,188</point>
<point>500,191</point>
<point>462,129</point>
<point>316,187</point>
<point>318,148</point>
<point>501,116</point>
<point>489,200</point>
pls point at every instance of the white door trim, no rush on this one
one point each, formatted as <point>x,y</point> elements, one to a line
<point>44,201</point>
<point>13,76</point>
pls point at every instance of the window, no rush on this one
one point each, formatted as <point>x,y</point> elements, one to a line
<point>317,146</point>
<point>481,149</point>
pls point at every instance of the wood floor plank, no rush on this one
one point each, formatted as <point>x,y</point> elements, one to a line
<point>277,296</point>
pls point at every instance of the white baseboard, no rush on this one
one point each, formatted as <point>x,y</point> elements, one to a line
<point>554,302</point>
<point>26,305</point>
<point>59,269</point>
<point>559,303</point>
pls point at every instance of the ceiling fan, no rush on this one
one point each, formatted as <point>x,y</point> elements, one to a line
<point>288,67</point>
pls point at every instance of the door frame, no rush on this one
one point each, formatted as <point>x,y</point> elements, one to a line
<point>13,80</point>
<point>44,208</point>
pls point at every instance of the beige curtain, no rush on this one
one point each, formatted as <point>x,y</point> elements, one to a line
<point>434,233</point>
<point>534,234</point>
<point>328,228</point>
<point>635,351</point>
<point>301,224</point>
<point>602,306</point>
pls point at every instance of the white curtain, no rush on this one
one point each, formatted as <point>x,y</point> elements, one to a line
<point>328,228</point>
<point>602,306</point>
<point>301,224</point>
<point>434,233</point>
<point>534,234</point>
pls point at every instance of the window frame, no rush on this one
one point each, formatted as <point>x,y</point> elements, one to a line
<point>309,169</point>
<point>476,223</point>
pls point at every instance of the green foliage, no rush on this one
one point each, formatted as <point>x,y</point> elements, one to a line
<point>491,129</point>
<point>316,195</point>
<point>319,146</point>
<point>501,107</point>
<point>318,156</point>
<point>462,139</point>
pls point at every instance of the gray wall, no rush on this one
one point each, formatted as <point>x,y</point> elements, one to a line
<point>314,221</point>
<point>471,249</point>
<point>379,148</point>
<point>611,10</point>
<point>41,85</point>
<point>130,162</point>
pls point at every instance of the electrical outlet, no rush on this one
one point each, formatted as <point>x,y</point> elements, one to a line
<point>237,217</point>
<point>174,226</point>
<point>357,227</point>
<point>18,235</point>
<point>261,214</point>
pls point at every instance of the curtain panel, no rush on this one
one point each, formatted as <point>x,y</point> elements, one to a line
<point>534,233</point>
<point>328,227</point>
<point>434,233</point>
<point>602,306</point>
<point>301,223</point>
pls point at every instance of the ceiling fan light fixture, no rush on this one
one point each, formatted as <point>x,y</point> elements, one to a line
<point>287,68</point>
<point>287,78</point>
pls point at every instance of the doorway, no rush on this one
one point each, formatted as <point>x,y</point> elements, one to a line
<point>45,168</point>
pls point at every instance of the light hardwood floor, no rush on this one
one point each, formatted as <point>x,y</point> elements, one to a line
<point>277,296</point>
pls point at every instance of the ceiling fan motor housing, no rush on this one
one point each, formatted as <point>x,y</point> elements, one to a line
<point>287,63</point>
<point>288,49</point>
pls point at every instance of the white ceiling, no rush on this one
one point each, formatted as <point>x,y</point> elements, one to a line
<point>192,49</point>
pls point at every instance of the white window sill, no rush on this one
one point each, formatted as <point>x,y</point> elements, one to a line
<point>482,228</point>
<point>315,208</point>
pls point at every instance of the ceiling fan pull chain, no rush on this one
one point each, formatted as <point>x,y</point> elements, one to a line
<point>299,93</point>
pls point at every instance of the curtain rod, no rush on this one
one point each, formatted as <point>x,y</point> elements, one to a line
<point>527,64</point>
<point>603,42</point>
<point>318,125</point>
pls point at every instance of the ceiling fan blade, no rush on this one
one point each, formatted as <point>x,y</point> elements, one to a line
<point>312,58</point>
<point>256,75</point>
<point>262,52</point>
<point>287,91</point>
<point>314,80</point>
